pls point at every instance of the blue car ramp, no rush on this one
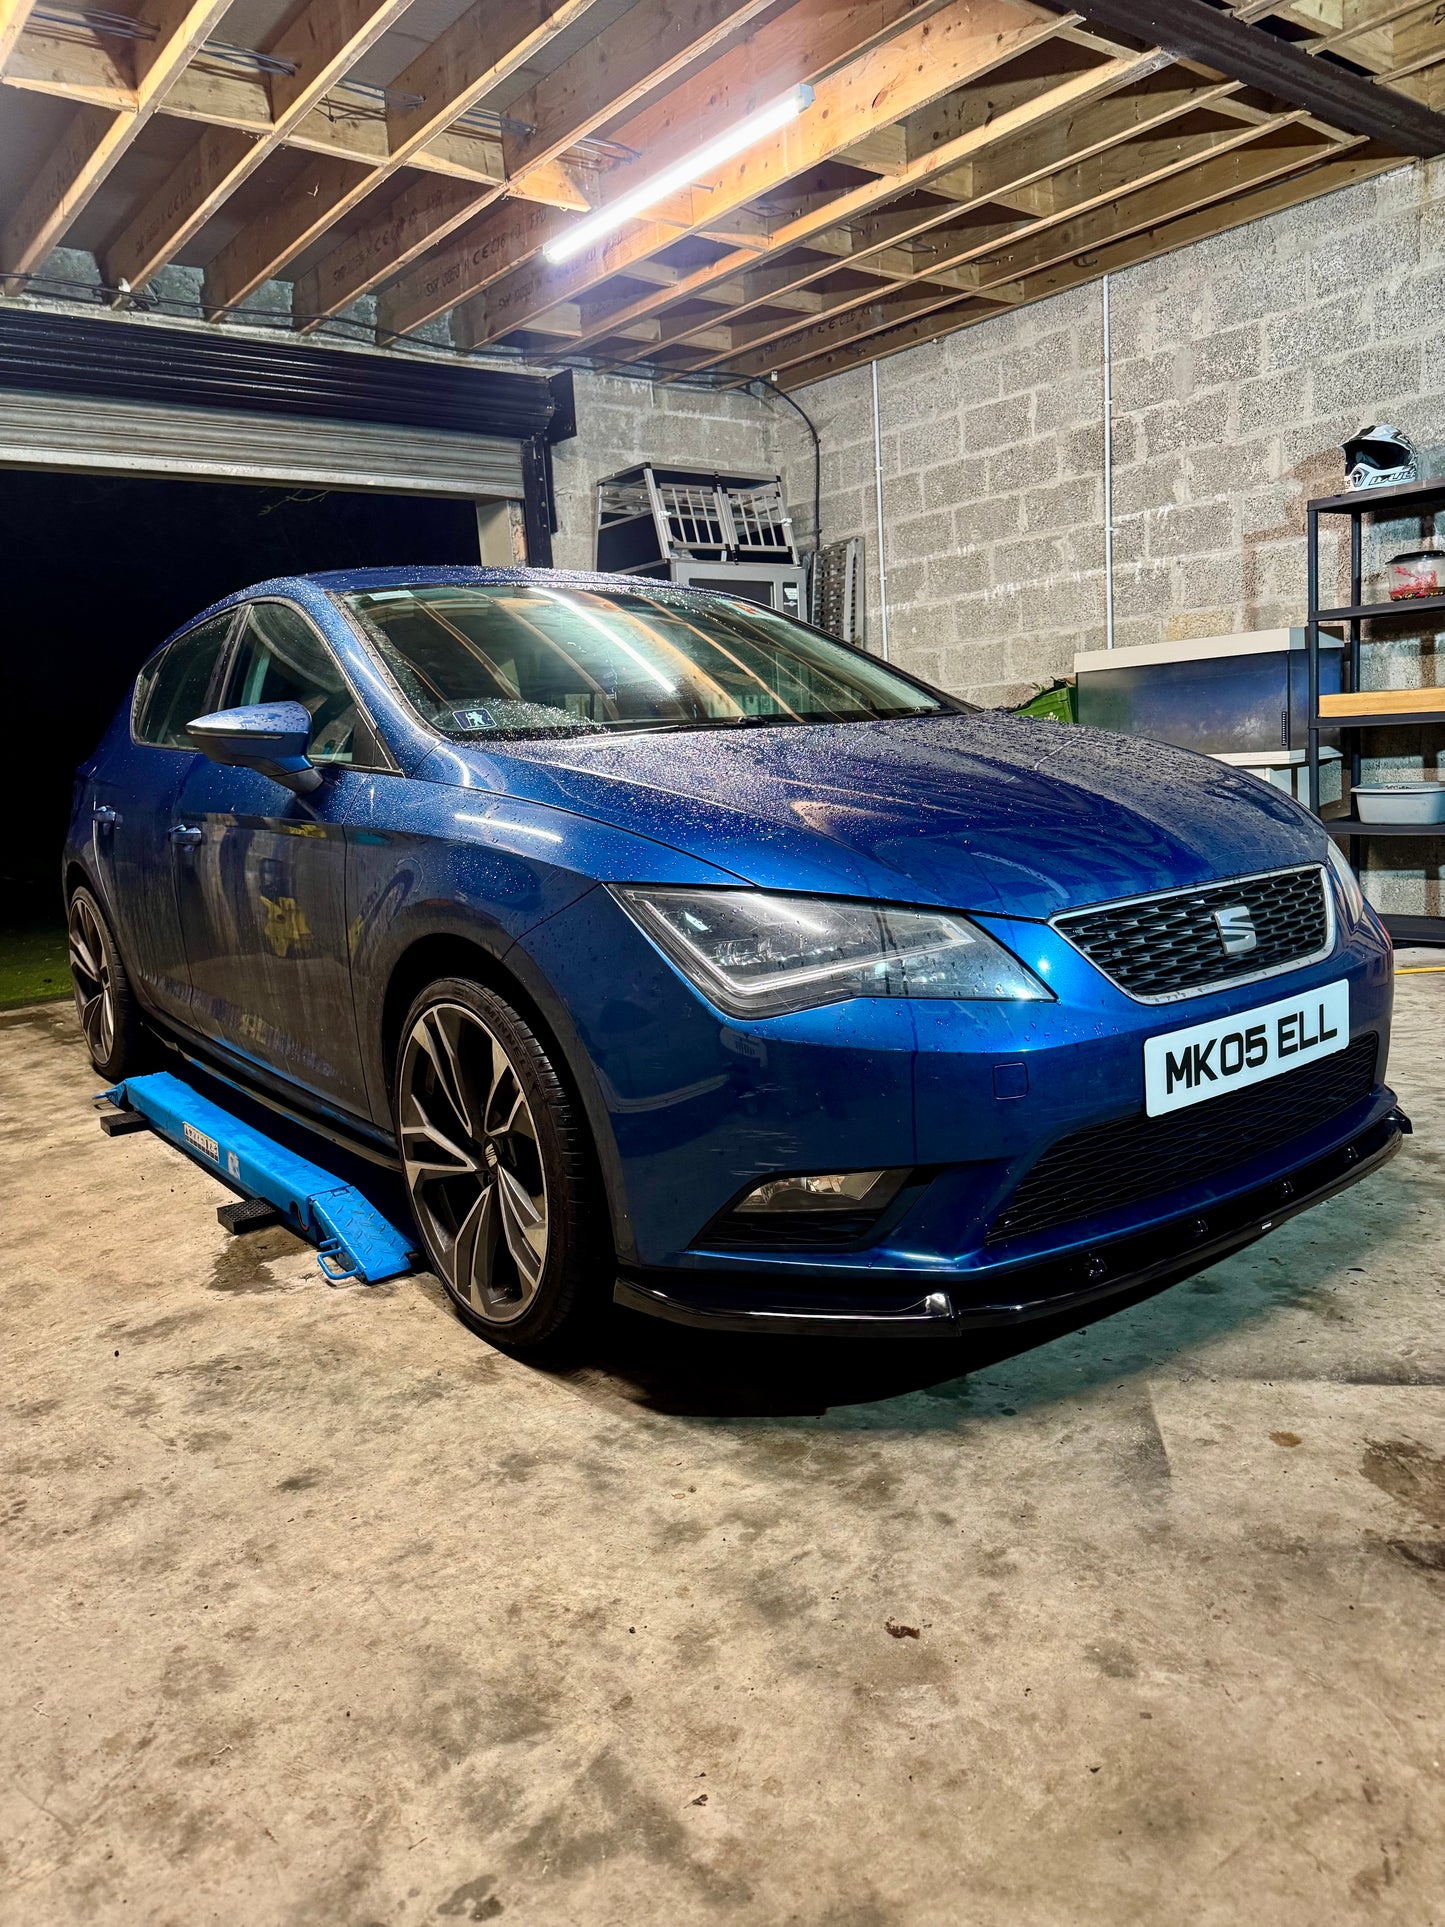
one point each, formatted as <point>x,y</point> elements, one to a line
<point>353,1238</point>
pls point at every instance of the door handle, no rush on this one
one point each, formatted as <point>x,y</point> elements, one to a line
<point>185,837</point>
<point>103,813</point>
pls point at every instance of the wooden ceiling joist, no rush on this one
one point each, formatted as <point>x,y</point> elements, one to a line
<point>958,157</point>
<point>1002,276</point>
<point>97,137</point>
<point>1325,178</point>
<point>320,48</point>
<point>644,50</point>
<point>906,74</point>
<point>13,16</point>
<point>488,319</point>
<point>934,240</point>
<point>802,44</point>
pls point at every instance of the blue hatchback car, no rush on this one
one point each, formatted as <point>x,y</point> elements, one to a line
<point>684,956</point>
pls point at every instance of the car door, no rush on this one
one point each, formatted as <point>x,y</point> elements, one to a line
<point>261,872</point>
<point>134,812</point>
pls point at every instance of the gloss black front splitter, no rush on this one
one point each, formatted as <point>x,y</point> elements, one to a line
<point>1045,1288</point>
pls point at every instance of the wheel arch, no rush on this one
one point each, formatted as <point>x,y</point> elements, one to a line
<point>448,954</point>
<point>443,954</point>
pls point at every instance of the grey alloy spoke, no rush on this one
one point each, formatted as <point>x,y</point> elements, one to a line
<point>431,1036</point>
<point>517,1122</point>
<point>488,1230</point>
<point>92,974</point>
<point>473,1251</point>
<point>91,1011</point>
<point>81,958</point>
<point>83,944</point>
<point>456,1163</point>
<point>524,1225</point>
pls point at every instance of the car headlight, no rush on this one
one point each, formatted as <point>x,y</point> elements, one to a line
<point>757,954</point>
<point>1351,895</point>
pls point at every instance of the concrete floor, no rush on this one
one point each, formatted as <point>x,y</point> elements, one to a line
<point>315,1610</point>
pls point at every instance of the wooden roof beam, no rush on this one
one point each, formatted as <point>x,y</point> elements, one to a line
<point>916,65</point>
<point>86,71</point>
<point>1097,184</point>
<point>649,45</point>
<point>801,44</point>
<point>322,44</point>
<point>80,71</point>
<point>1162,239</point>
<point>1103,191</point>
<point>97,137</point>
<point>1219,179</point>
<point>486,45</point>
<point>1003,173</point>
<point>855,205</point>
<point>1170,233</point>
<point>13,16</point>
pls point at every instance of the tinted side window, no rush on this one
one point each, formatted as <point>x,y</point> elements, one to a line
<point>280,658</point>
<point>175,688</point>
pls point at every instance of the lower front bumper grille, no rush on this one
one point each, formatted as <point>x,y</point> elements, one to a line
<point>1007,1294</point>
<point>1099,1170</point>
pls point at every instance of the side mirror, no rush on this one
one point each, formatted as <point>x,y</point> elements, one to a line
<point>269,737</point>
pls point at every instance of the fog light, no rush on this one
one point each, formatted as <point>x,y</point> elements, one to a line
<point>825,1191</point>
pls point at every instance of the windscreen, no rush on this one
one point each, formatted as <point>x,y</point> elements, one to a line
<point>527,660</point>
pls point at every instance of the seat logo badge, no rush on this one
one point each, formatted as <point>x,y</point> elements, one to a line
<point>1237,934</point>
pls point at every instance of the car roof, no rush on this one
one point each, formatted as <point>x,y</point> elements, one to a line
<point>331,582</point>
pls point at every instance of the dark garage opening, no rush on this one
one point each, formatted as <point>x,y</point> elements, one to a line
<point>99,570</point>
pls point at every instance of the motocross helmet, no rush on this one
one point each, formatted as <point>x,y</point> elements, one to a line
<point>1379,456</point>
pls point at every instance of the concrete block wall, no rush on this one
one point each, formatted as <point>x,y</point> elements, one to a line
<point>1239,365</point>
<point>992,459</point>
<point>621,422</point>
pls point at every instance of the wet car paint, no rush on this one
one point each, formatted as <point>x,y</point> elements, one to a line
<point>284,931</point>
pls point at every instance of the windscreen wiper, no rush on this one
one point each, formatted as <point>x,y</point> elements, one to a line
<point>705,724</point>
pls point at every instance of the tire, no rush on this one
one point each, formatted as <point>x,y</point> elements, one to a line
<point>110,1018</point>
<point>498,1169</point>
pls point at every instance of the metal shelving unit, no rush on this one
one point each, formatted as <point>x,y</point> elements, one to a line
<point>1407,499</point>
<point>1344,828</point>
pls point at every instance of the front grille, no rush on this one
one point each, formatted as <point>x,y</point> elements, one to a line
<point>1110,1165</point>
<point>1170,946</point>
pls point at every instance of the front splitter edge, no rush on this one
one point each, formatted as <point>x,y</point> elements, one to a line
<point>934,1313</point>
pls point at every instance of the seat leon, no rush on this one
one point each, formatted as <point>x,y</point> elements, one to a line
<point>684,957</point>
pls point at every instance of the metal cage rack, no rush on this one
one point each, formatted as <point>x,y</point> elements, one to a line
<point>648,518</point>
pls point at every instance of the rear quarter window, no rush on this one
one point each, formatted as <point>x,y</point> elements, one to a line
<point>173,688</point>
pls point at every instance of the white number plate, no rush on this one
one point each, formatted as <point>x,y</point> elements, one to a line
<point>1189,1066</point>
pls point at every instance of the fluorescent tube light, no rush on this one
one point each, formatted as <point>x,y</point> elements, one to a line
<point>696,166</point>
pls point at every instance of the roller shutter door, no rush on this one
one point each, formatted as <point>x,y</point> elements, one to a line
<point>97,435</point>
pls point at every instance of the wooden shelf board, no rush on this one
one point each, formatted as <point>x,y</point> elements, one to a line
<point>1383,706</point>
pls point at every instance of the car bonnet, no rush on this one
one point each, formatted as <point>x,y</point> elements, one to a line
<point>983,811</point>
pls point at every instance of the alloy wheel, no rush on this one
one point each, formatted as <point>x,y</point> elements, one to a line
<point>90,969</point>
<point>473,1164</point>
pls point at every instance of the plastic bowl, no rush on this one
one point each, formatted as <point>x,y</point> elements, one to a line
<point>1400,802</point>
<point>1419,572</point>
